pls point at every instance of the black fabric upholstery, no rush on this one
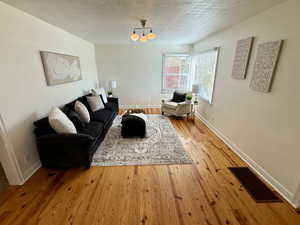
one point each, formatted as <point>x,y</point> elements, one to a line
<point>112,106</point>
<point>102,115</point>
<point>113,100</point>
<point>43,127</point>
<point>93,129</point>
<point>71,105</point>
<point>83,100</point>
<point>133,126</point>
<point>42,123</point>
<point>178,97</point>
<point>73,150</point>
<point>64,150</point>
<point>75,118</point>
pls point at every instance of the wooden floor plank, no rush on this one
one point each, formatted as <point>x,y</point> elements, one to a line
<point>203,193</point>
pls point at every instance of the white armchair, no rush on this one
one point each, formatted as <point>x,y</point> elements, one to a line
<point>175,109</point>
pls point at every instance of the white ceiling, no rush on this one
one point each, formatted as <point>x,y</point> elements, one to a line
<point>174,21</point>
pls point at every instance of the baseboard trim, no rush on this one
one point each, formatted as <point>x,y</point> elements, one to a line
<point>31,170</point>
<point>286,194</point>
<point>139,106</point>
<point>296,199</point>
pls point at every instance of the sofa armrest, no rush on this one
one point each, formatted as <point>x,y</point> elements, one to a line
<point>113,100</point>
<point>65,138</point>
<point>183,107</point>
<point>163,101</point>
<point>184,104</point>
<point>64,149</point>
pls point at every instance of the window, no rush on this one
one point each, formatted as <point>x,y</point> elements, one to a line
<point>204,71</point>
<point>176,72</point>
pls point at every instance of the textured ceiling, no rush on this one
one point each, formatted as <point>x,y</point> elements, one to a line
<point>174,21</point>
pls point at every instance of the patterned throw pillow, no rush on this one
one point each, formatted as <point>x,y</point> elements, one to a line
<point>95,103</point>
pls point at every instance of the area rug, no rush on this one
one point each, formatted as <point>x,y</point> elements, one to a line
<point>160,146</point>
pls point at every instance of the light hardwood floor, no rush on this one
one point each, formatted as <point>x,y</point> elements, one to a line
<point>203,193</point>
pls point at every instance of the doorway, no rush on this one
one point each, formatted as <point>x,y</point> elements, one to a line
<point>8,161</point>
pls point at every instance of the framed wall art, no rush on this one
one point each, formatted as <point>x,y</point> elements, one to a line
<point>60,68</point>
<point>265,66</point>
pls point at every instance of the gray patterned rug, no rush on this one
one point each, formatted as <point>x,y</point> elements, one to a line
<point>160,146</point>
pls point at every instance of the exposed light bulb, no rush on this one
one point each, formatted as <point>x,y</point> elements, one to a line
<point>143,38</point>
<point>151,35</point>
<point>134,36</point>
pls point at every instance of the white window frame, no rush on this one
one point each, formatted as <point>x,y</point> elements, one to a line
<point>210,101</point>
<point>167,91</point>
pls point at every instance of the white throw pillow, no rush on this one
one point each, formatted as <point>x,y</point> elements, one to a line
<point>95,92</point>
<point>60,122</point>
<point>103,94</point>
<point>83,112</point>
<point>101,91</point>
<point>95,103</point>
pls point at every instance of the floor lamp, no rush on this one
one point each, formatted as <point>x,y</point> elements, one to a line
<point>196,90</point>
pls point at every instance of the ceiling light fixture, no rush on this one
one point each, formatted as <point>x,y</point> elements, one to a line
<point>146,33</point>
<point>143,38</point>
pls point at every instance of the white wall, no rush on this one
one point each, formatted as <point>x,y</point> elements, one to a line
<point>264,127</point>
<point>24,95</point>
<point>137,68</point>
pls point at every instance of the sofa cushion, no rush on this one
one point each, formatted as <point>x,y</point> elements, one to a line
<point>82,99</point>
<point>102,115</point>
<point>93,129</point>
<point>71,105</point>
<point>42,123</point>
<point>178,97</point>
<point>172,105</point>
<point>74,117</point>
<point>43,127</point>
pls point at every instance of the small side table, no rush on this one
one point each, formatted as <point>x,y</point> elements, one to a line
<point>193,110</point>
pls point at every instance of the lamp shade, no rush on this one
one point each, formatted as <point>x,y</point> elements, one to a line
<point>151,35</point>
<point>113,84</point>
<point>134,36</point>
<point>196,88</point>
<point>143,38</point>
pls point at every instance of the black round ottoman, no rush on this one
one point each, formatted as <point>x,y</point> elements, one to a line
<point>133,126</point>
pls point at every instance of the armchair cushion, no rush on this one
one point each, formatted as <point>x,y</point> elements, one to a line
<point>176,108</point>
<point>172,105</point>
<point>178,97</point>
